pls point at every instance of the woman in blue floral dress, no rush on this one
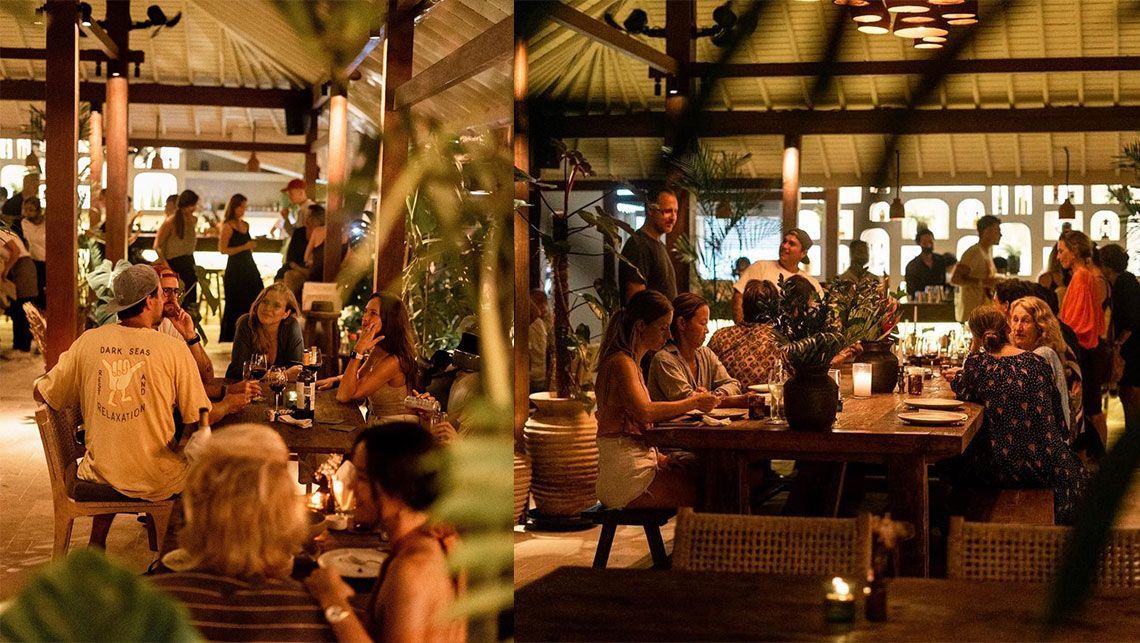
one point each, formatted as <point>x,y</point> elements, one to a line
<point>1021,443</point>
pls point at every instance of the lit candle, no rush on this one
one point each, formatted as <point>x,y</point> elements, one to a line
<point>861,379</point>
<point>839,606</point>
<point>338,492</point>
<point>317,500</point>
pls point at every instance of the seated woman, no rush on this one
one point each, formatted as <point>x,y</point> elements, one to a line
<point>244,522</point>
<point>685,366</point>
<point>749,350</point>
<point>395,485</point>
<point>382,367</point>
<point>1021,442</point>
<point>270,327</point>
<point>631,473</point>
<point>1034,328</point>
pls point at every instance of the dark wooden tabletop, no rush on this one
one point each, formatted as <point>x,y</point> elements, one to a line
<point>333,431</point>
<point>866,430</point>
<point>581,603</point>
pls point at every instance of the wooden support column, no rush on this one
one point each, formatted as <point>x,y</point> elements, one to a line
<point>393,250</point>
<point>680,46</point>
<point>95,145</point>
<point>791,180</point>
<point>522,218</point>
<point>830,233</point>
<point>116,133</point>
<point>337,172</point>
<point>62,111</point>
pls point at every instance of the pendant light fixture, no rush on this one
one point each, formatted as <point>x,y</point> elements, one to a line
<point>898,211</point>
<point>872,19</point>
<point>253,165</point>
<point>853,3</point>
<point>156,160</point>
<point>945,3</point>
<point>906,6</point>
<point>965,13</point>
<point>1067,209</point>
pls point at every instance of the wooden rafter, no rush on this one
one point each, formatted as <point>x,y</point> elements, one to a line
<point>106,44</point>
<point>490,48</point>
<point>159,94</point>
<point>601,32</point>
<point>236,146</point>
<point>1083,64</point>
<point>86,55</point>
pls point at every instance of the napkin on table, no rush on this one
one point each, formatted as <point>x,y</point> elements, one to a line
<point>283,416</point>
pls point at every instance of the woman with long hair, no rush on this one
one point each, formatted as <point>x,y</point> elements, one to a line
<point>271,328</point>
<point>1021,442</point>
<point>1055,277</point>
<point>244,523</point>
<point>686,365</point>
<point>175,243</point>
<point>630,472</point>
<point>1034,328</point>
<point>382,366</point>
<point>242,280</point>
<point>1084,311</point>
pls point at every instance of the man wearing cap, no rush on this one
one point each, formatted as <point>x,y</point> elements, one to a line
<point>293,214</point>
<point>793,252</point>
<point>127,379</point>
<point>646,262</point>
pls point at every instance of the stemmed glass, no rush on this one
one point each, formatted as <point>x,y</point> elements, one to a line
<point>776,379</point>
<point>257,368</point>
<point>276,379</point>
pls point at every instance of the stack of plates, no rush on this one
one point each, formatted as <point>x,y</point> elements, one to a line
<point>933,403</point>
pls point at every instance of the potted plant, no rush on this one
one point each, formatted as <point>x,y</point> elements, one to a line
<point>811,336</point>
<point>561,435</point>
<point>869,314</point>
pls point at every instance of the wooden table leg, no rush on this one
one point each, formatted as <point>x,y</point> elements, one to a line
<point>909,501</point>
<point>726,488</point>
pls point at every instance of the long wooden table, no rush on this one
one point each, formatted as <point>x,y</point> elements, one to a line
<point>334,429</point>
<point>867,430</point>
<point>584,604</point>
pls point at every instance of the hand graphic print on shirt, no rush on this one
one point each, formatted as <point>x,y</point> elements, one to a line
<point>119,377</point>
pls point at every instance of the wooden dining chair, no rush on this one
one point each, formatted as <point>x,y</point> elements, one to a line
<point>72,497</point>
<point>1029,554</point>
<point>772,544</point>
<point>38,326</point>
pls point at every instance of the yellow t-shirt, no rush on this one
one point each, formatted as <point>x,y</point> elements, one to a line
<point>981,264</point>
<point>127,382</point>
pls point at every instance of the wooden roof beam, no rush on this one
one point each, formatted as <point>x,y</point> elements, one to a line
<point>90,55</point>
<point>235,146</point>
<point>878,121</point>
<point>102,38</point>
<point>921,67</point>
<point>159,94</point>
<point>601,32</point>
<point>482,52</point>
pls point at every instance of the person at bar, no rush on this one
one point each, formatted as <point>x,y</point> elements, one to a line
<point>396,480</point>
<point>32,228</point>
<point>1125,324</point>
<point>860,255</point>
<point>685,366</point>
<point>244,522</point>
<point>18,284</point>
<point>270,328</point>
<point>242,280</point>
<point>793,251</point>
<point>175,242</point>
<point>748,349</point>
<point>293,215</point>
<point>1086,301</point>
<point>975,275</point>
<point>647,263</point>
<point>1021,442</point>
<point>928,268</point>
<point>631,473</point>
<point>1034,328</point>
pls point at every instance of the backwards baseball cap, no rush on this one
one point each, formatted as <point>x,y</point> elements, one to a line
<point>131,286</point>
<point>295,184</point>
<point>804,239</point>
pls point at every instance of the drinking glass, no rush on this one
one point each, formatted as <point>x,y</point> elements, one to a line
<point>276,379</point>
<point>258,366</point>
<point>776,395</point>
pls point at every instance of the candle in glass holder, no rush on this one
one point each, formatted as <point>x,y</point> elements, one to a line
<point>317,500</point>
<point>861,379</point>
<point>839,604</point>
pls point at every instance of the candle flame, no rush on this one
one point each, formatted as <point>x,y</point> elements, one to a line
<point>840,586</point>
<point>317,500</point>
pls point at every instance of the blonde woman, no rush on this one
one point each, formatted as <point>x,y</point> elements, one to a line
<point>270,327</point>
<point>1034,328</point>
<point>244,522</point>
<point>1084,311</point>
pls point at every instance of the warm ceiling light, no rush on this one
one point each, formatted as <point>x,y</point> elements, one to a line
<point>925,44</point>
<point>916,18</point>
<point>853,3</point>
<point>934,39</point>
<point>898,210</point>
<point>945,3</point>
<point>906,6</point>
<point>966,10</point>
<point>253,164</point>
<point>874,29</point>
<point>1067,209</point>
<point>870,14</point>
<point>905,30</point>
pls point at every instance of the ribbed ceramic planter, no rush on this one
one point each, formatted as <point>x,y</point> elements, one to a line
<point>522,484</point>
<point>884,365</point>
<point>561,439</point>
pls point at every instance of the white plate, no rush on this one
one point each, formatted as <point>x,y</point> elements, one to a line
<point>758,388</point>
<point>933,403</point>
<point>353,562</point>
<point>178,560</point>
<point>932,418</point>
<point>721,413</point>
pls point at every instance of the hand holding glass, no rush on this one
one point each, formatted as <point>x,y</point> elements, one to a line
<point>276,379</point>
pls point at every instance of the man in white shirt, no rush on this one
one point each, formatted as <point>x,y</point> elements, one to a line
<point>975,274</point>
<point>793,252</point>
<point>18,284</point>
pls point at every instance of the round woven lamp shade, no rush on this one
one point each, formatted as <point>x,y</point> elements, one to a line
<point>966,10</point>
<point>907,6</point>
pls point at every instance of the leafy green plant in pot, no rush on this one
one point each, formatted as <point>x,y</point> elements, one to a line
<point>869,314</point>
<point>811,336</point>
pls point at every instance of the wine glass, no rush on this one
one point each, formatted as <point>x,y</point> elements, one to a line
<point>258,365</point>
<point>276,379</point>
<point>776,380</point>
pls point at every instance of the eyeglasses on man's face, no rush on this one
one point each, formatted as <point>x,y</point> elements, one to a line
<point>172,292</point>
